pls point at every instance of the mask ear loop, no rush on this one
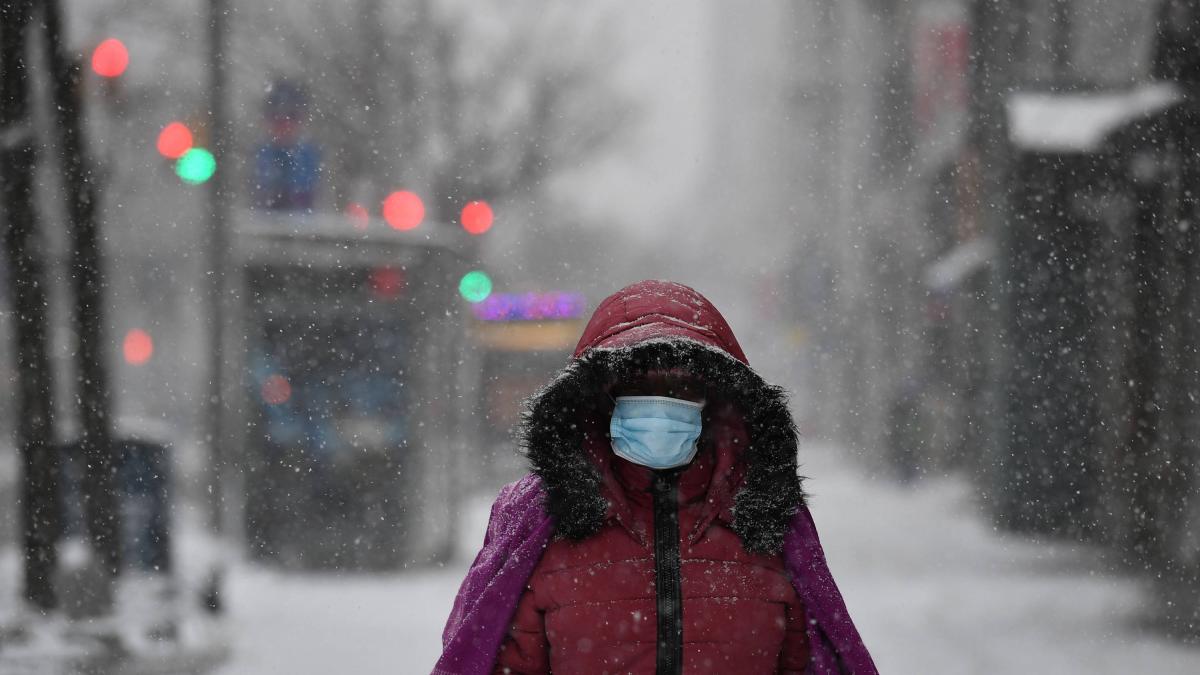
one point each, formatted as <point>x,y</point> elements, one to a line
<point>607,432</point>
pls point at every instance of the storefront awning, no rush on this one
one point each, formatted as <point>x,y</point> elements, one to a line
<point>1045,122</point>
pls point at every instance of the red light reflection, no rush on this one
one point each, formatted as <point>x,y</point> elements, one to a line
<point>358,215</point>
<point>276,390</point>
<point>387,282</point>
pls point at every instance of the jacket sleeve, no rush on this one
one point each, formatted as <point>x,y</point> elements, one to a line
<point>525,650</point>
<point>795,656</point>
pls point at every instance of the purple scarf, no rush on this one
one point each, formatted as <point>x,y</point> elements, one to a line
<point>519,531</point>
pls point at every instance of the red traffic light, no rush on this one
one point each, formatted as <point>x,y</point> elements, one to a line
<point>403,210</point>
<point>110,58</point>
<point>477,217</point>
<point>174,140</point>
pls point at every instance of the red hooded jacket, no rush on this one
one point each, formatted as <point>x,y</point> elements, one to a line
<point>670,571</point>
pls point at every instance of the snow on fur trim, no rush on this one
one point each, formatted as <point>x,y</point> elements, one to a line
<point>553,436</point>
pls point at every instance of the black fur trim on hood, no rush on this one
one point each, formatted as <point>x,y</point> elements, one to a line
<point>553,433</point>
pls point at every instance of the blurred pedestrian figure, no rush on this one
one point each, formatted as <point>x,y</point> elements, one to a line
<point>903,434</point>
<point>286,166</point>
<point>663,528</point>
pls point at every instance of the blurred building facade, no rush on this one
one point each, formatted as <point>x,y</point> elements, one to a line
<point>794,192</point>
<point>1008,262</point>
<point>853,150</point>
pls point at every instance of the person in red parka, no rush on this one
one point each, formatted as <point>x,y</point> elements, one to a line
<point>670,472</point>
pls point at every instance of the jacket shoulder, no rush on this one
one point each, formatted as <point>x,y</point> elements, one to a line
<point>518,508</point>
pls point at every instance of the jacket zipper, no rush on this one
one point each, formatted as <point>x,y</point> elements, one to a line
<point>667,584</point>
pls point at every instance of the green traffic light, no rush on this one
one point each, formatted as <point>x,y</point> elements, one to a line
<point>475,286</point>
<point>196,166</point>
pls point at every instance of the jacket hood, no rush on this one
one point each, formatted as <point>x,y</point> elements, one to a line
<point>660,325</point>
<point>657,310</point>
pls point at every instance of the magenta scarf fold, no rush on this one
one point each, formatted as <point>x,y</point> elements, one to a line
<point>519,531</point>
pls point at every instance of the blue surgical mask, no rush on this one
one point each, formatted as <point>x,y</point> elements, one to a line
<point>655,431</point>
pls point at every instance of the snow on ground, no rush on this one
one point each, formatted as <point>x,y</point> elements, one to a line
<point>296,624</point>
<point>932,588</point>
<point>299,624</point>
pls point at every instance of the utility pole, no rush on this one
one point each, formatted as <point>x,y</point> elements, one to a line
<point>40,513</point>
<point>99,493</point>
<point>379,157</point>
<point>218,249</point>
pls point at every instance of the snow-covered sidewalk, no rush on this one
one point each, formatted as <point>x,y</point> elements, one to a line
<point>932,588</point>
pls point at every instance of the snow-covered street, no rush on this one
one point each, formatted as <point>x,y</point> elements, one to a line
<point>931,587</point>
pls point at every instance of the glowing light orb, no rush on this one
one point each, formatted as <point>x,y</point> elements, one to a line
<point>475,286</point>
<point>196,166</point>
<point>403,210</point>
<point>358,215</point>
<point>477,217</point>
<point>110,58</point>
<point>138,347</point>
<point>387,282</point>
<point>174,140</point>
<point>276,390</point>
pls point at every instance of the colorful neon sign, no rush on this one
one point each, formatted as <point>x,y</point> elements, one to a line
<point>550,306</point>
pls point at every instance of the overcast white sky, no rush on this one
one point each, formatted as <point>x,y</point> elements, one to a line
<point>662,65</point>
